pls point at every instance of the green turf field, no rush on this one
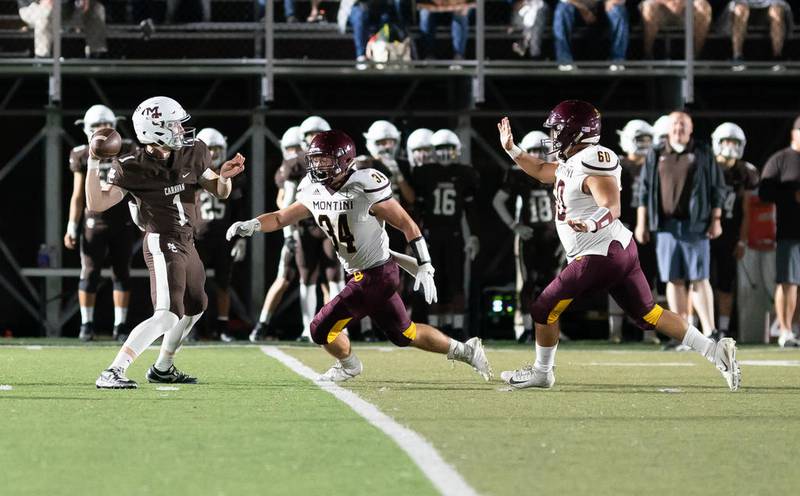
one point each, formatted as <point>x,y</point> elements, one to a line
<point>613,424</point>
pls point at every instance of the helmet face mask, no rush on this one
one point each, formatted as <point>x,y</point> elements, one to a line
<point>159,121</point>
<point>644,143</point>
<point>217,156</point>
<point>329,156</point>
<point>539,152</point>
<point>446,154</point>
<point>728,141</point>
<point>386,148</point>
<point>419,147</point>
<point>422,155</point>
<point>729,148</point>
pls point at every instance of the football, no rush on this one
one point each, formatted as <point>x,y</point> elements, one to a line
<point>105,143</point>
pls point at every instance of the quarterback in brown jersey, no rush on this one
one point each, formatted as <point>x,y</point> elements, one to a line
<point>163,177</point>
<point>109,233</point>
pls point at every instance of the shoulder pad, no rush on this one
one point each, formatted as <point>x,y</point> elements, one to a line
<point>370,178</point>
<point>598,161</point>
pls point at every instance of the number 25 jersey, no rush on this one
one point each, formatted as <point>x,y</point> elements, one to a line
<point>344,215</point>
<point>573,203</point>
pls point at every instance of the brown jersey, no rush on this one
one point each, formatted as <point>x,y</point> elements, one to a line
<point>294,170</point>
<point>165,190</point>
<point>78,160</point>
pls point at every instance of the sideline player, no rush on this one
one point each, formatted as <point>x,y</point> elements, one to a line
<point>213,218</point>
<point>728,141</point>
<point>599,248</point>
<point>352,207</point>
<point>445,191</point>
<point>163,177</point>
<point>537,249</point>
<point>111,232</point>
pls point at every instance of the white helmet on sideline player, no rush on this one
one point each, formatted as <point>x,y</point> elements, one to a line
<point>292,143</point>
<point>447,146</point>
<point>636,137</point>
<point>313,125</point>
<point>382,131</point>
<point>533,144</point>
<point>97,116</point>
<point>159,120</point>
<point>732,132</point>
<point>661,129</point>
<point>217,144</point>
<point>419,147</point>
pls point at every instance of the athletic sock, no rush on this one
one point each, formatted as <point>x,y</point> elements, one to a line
<point>87,315</point>
<point>545,358</point>
<point>615,325</point>
<point>724,323</point>
<point>122,361</point>
<point>120,315</point>
<point>350,362</point>
<point>264,317</point>
<point>695,340</point>
<point>143,336</point>
<point>222,324</point>
<point>308,306</point>
<point>527,322</point>
<point>458,351</point>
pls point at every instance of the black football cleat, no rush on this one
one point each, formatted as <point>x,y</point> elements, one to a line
<point>87,332</point>
<point>121,332</point>
<point>171,376</point>
<point>114,378</point>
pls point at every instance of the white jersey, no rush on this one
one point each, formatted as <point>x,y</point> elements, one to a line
<point>344,215</point>
<point>573,203</point>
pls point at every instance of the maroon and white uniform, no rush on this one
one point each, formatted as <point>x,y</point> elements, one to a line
<point>603,260</point>
<point>166,194</point>
<point>362,245</point>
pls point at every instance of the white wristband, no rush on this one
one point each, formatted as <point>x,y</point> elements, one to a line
<point>514,152</point>
<point>72,229</point>
<point>420,250</point>
<point>93,164</point>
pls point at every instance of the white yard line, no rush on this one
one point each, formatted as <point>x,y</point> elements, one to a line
<point>770,363</point>
<point>636,364</point>
<point>443,476</point>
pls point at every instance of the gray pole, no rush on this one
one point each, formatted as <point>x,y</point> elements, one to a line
<point>688,78</point>
<point>53,168</point>
<point>258,179</point>
<point>267,89</point>
<point>480,53</point>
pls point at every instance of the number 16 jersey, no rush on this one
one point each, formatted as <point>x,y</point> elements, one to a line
<point>344,215</point>
<point>573,203</point>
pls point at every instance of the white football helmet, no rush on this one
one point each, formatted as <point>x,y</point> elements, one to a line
<point>728,131</point>
<point>419,147</point>
<point>380,131</point>
<point>447,146</point>
<point>636,137</point>
<point>534,144</point>
<point>291,141</point>
<point>96,116</point>
<point>661,129</point>
<point>216,143</point>
<point>313,125</point>
<point>159,120</point>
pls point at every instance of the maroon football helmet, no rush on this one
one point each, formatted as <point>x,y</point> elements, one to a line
<point>572,122</point>
<point>329,155</point>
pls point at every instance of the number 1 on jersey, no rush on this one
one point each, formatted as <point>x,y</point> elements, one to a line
<point>182,220</point>
<point>345,237</point>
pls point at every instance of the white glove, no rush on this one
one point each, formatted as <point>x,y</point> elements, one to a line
<point>524,232</point>
<point>473,247</point>
<point>243,228</point>
<point>425,279</point>
<point>239,250</point>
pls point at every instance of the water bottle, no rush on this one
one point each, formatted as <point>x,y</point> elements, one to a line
<point>43,258</point>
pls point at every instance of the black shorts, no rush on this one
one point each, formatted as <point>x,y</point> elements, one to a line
<point>723,264</point>
<point>177,275</point>
<point>215,252</point>
<point>540,259</point>
<point>315,252</point>
<point>447,257</point>
<point>99,240</point>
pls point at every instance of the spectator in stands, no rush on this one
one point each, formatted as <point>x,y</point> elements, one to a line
<point>531,16</point>
<point>316,15</point>
<point>589,10</point>
<point>780,184</point>
<point>680,199</point>
<point>776,13</point>
<point>658,13</point>
<point>172,11</point>
<point>366,17</point>
<point>90,14</point>
<point>431,12</point>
